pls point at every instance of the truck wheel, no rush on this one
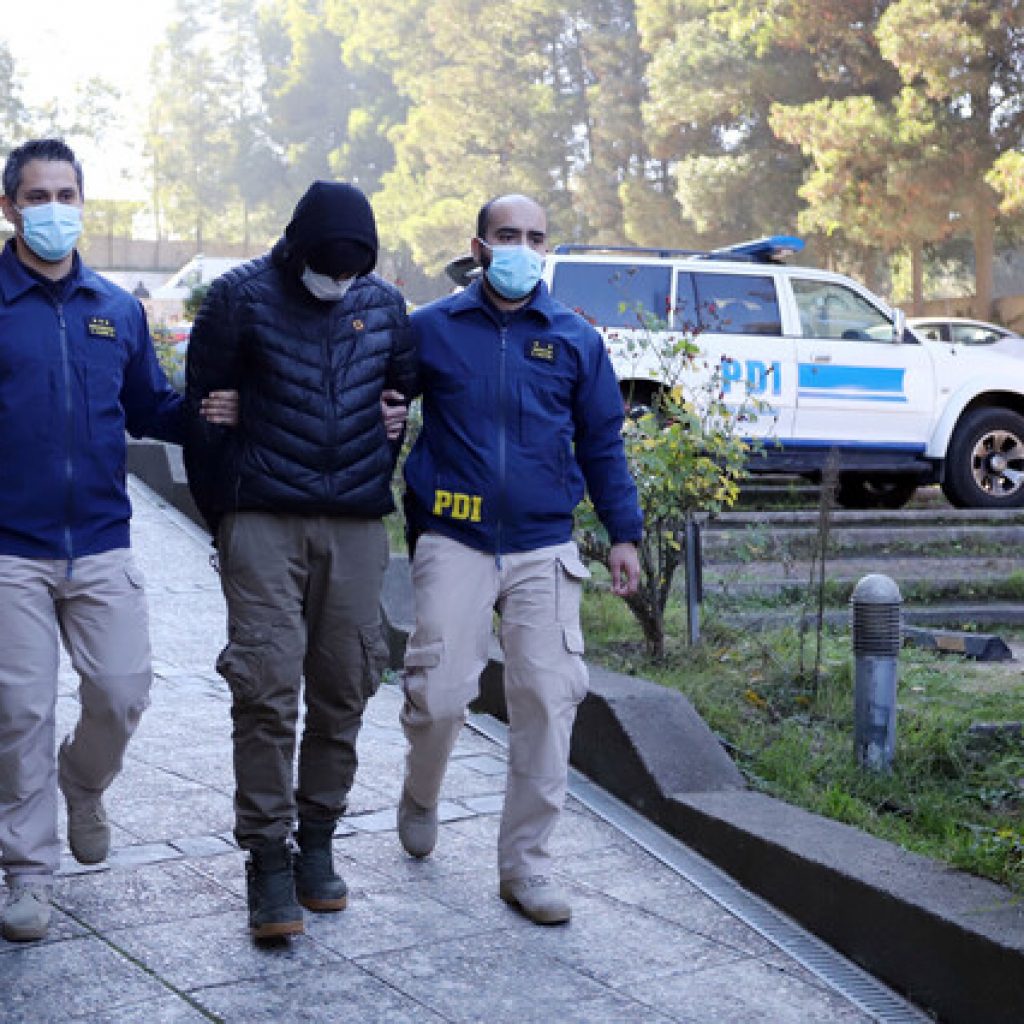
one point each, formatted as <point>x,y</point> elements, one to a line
<point>985,461</point>
<point>856,491</point>
<point>639,397</point>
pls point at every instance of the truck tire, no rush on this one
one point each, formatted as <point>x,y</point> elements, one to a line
<point>639,397</point>
<point>985,461</point>
<point>858,491</point>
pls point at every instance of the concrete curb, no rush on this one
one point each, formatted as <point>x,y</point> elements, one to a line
<point>952,943</point>
<point>160,467</point>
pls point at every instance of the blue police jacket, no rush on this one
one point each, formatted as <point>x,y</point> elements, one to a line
<point>520,411</point>
<point>76,371</point>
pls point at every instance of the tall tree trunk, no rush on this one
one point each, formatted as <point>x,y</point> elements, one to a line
<point>917,276</point>
<point>984,244</point>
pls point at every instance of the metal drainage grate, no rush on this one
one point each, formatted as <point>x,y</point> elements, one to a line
<point>840,974</point>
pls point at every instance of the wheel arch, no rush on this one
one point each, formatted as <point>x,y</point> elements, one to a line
<point>639,392</point>
<point>955,411</point>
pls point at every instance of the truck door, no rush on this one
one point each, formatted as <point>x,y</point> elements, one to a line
<point>855,383</point>
<point>735,321</point>
<point>628,302</point>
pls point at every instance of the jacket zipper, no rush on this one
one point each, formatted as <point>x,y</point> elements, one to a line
<point>501,441</point>
<point>69,433</point>
<point>327,385</point>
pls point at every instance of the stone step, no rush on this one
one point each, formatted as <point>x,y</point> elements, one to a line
<point>948,615</point>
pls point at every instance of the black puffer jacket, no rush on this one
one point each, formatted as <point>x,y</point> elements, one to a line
<point>311,436</point>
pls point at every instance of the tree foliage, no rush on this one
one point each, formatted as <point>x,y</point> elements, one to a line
<point>486,113</point>
<point>877,127</point>
<point>12,109</point>
<point>89,112</point>
<point>687,455</point>
<point>190,126</point>
<point>911,153</point>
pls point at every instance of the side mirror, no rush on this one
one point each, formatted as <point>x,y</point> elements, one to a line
<point>899,325</point>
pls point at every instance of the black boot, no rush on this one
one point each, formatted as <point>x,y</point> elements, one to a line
<point>316,882</point>
<point>270,886</point>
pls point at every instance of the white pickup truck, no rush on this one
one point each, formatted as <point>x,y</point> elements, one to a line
<point>836,371</point>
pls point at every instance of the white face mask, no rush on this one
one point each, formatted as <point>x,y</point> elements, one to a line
<point>325,288</point>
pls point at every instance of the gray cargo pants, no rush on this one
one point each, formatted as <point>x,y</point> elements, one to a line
<point>303,600</point>
<point>97,605</point>
<point>537,594</point>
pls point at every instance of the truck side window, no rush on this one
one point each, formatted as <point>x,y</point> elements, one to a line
<point>829,310</point>
<point>967,334</point>
<point>737,304</point>
<point>614,294</point>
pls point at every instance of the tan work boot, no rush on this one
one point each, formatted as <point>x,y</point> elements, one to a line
<point>27,914</point>
<point>417,826</point>
<point>537,898</point>
<point>88,831</point>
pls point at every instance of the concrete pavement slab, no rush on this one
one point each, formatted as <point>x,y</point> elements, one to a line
<point>343,993</point>
<point>169,1009</point>
<point>470,980</point>
<point>148,894</point>
<point>743,992</point>
<point>215,949</point>
<point>58,981</point>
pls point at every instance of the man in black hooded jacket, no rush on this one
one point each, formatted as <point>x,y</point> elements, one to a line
<point>312,340</point>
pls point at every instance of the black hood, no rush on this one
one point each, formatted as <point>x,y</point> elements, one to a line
<point>332,229</point>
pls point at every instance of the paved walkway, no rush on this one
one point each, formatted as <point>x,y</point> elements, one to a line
<point>158,935</point>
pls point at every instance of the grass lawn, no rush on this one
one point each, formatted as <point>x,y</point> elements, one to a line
<point>955,793</point>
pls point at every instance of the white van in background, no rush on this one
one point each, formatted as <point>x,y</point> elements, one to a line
<point>200,270</point>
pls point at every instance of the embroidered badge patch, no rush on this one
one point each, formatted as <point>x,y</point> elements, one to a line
<point>100,327</point>
<point>543,350</point>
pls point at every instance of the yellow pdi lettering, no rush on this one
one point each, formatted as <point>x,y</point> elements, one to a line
<point>442,502</point>
<point>456,505</point>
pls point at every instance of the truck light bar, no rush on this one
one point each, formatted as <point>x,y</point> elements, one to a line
<point>569,248</point>
<point>770,249</point>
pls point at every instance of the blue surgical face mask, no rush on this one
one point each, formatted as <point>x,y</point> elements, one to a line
<point>325,288</point>
<point>51,230</point>
<point>514,270</point>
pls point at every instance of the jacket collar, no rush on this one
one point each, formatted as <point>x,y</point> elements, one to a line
<point>541,304</point>
<point>15,278</point>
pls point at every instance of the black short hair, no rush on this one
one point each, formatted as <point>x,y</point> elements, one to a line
<point>38,149</point>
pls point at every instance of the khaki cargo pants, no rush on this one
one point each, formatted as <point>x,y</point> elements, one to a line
<point>303,600</point>
<point>97,605</point>
<point>537,594</point>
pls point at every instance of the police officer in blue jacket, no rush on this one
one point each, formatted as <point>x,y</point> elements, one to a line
<point>521,412</point>
<point>77,369</point>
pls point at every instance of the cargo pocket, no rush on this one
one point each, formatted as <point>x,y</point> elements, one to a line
<point>376,658</point>
<point>579,678</point>
<point>242,661</point>
<point>424,656</point>
<point>569,588</point>
<point>420,666</point>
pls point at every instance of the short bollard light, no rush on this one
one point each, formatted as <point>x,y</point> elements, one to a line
<point>876,626</point>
